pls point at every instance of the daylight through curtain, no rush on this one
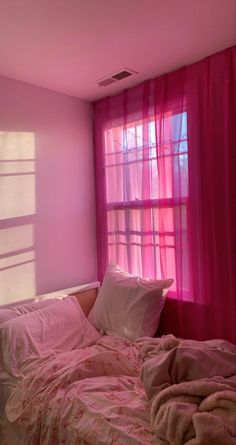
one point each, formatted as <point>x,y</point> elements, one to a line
<point>164,154</point>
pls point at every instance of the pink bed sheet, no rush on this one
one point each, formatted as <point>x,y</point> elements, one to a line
<point>90,395</point>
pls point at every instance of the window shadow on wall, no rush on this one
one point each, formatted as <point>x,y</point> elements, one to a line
<point>17,215</point>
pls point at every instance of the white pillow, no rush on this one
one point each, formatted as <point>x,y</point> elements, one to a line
<point>43,334</point>
<point>23,309</point>
<point>128,305</point>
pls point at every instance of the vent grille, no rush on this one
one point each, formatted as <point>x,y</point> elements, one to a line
<point>116,77</point>
<point>122,75</point>
<point>106,82</point>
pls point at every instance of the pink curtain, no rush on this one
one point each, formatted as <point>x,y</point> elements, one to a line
<point>166,191</point>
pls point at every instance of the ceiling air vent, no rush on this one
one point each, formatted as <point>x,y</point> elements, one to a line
<point>122,75</point>
<point>116,77</point>
<point>106,82</point>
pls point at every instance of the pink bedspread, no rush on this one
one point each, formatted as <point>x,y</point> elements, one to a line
<point>93,394</point>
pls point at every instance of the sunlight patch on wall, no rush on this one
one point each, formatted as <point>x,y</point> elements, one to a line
<point>16,145</point>
<point>17,196</point>
<point>7,167</point>
<point>16,238</point>
<point>17,283</point>
<point>17,178</point>
<point>13,260</point>
<point>17,208</point>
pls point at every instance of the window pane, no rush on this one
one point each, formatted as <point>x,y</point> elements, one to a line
<point>147,190</point>
<point>136,233</point>
<point>147,160</point>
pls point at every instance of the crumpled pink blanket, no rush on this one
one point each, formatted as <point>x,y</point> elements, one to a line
<point>201,412</point>
<point>192,389</point>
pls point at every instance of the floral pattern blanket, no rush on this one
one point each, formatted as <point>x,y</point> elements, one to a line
<point>91,395</point>
<point>111,391</point>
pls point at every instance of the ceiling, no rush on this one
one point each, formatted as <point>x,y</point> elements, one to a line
<point>67,45</point>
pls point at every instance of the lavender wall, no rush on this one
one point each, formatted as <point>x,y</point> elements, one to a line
<point>47,208</point>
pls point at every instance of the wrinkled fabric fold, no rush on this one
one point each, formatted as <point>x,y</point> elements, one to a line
<point>192,389</point>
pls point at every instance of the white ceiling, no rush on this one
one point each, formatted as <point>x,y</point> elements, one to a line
<point>67,45</point>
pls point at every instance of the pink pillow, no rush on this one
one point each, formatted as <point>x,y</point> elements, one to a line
<point>23,309</point>
<point>128,305</point>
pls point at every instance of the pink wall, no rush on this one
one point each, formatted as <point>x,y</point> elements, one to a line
<point>47,208</point>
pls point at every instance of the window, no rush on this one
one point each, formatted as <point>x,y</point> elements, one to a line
<point>146,165</point>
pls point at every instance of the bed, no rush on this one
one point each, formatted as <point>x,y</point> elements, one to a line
<point>64,380</point>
